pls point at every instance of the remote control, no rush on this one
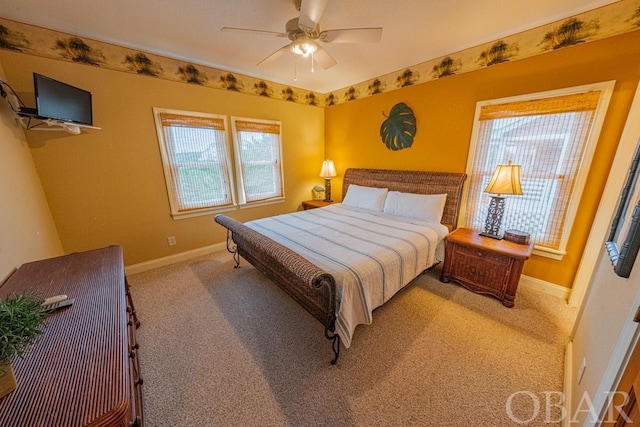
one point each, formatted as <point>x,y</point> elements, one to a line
<point>56,298</point>
<point>58,305</point>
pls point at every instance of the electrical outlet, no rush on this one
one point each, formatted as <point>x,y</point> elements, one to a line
<point>583,367</point>
<point>171,240</point>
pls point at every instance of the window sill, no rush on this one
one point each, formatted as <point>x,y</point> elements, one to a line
<point>549,253</point>
<point>261,203</point>
<point>201,212</point>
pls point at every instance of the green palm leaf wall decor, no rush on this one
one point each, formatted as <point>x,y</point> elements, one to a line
<point>398,130</point>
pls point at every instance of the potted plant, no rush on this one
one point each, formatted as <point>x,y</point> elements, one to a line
<point>21,322</point>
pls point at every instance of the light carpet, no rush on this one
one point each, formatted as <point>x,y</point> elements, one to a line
<point>226,347</point>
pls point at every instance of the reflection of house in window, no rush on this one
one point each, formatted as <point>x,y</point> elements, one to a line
<point>198,164</point>
<point>542,145</point>
<point>260,152</point>
<point>552,136</point>
<point>259,158</point>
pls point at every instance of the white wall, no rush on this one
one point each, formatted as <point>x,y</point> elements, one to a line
<point>27,230</point>
<point>609,308</point>
<point>605,330</point>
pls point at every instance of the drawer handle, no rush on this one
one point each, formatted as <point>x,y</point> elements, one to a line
<point>138,381</point>
<point>479,253</point>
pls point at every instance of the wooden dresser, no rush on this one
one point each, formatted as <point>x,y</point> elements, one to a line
<point>83,371</point>
<point>484,265</point>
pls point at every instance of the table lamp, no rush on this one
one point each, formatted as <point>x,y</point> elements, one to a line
<point>327,172</point>
<point>505,180</point>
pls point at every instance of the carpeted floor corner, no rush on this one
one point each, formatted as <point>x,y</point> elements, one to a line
<point>226,347</point>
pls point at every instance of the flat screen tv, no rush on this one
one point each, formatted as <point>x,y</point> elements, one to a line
<point>60,101</point>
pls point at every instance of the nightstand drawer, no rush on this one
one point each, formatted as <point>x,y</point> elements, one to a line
<point>485,270</point>
<point>482,255</point>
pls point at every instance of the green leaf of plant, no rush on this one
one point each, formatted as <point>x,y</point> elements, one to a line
<point>398,130</point>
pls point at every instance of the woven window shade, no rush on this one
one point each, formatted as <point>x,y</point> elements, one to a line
<point>586,101</point>
<point>191,121</point>
<point>242,125</point>
<point>198,161</point>
<point>547,137</point>
<point>259,157</point>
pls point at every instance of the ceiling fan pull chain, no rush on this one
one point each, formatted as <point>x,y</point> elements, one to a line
<point>295,70</point>
<point>312,70</point>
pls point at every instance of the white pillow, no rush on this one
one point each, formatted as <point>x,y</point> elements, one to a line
<point>425,207</point>
<point>369,198</point>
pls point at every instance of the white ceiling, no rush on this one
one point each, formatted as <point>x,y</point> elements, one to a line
<point>414,30</point>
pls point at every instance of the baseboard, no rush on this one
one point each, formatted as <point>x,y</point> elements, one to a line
<point>567,388</point>
<point>546,287</point>
<point>172,259</point>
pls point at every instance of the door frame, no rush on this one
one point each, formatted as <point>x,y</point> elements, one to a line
<point>608,203</point>
<point>630,333</point>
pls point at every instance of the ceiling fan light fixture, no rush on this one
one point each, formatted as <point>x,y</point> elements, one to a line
<point>303,46</point>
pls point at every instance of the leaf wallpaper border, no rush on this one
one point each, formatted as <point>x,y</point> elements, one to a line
<point>603,22</point>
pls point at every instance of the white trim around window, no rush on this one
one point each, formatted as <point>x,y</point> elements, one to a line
<point>196,162</point>
<point>605,89</point>
<point>258,159</point>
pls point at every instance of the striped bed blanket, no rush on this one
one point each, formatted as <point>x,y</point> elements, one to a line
<point>371,255</point>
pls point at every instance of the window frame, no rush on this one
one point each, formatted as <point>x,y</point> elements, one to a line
<point>239,174</point>
<point>606,89</point>
<point>170,182</point>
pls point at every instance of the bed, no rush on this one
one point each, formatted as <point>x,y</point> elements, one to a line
<point>343,261</point>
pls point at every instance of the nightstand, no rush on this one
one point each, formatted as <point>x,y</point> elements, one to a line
<point>312,204</point>
<point>484,265</point>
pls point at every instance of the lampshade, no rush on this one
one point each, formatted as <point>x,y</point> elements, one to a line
<point>328,169</point>
<point>505,180</point>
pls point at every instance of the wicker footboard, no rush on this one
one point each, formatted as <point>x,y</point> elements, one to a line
<point>310,286</point>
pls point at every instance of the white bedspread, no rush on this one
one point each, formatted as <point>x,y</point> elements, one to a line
<point>371,256</point>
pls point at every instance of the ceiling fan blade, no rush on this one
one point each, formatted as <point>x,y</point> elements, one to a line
<point>257,32</point>
<point>310,13</point>
<point>275,55</point>
<point>352,35</point>
<point>323,58</point>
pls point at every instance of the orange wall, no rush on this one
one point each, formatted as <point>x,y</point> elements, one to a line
<point>445,108</point>
<point>107,186</point>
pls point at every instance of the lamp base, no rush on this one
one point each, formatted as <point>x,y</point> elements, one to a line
<point>327,190</point>
<point>494,218</point>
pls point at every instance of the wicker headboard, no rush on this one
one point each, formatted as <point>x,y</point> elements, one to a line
<point>420,182</point>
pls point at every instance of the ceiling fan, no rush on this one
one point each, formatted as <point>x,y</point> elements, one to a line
<point>304,33</point>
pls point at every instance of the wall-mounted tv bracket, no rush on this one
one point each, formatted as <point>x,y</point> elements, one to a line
<point>28,117</point>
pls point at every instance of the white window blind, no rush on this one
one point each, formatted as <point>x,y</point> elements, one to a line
<point>258,158</point>
<point>552,138</point>
<point>195,160</point>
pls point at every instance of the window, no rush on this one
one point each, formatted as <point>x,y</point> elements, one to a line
<point>196,161</point>
<point>553,136</point>
<point>258,160</point>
